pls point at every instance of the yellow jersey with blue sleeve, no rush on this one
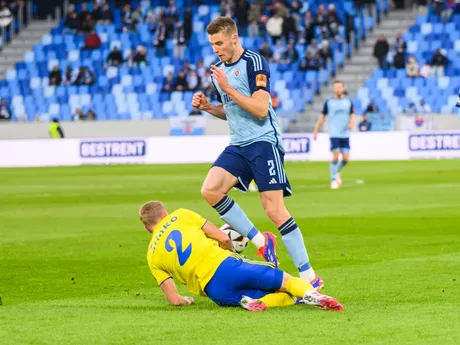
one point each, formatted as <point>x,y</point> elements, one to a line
<point>179,248</point>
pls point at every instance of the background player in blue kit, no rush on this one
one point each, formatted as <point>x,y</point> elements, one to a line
<point>341,118</point>
<point>242,80</point>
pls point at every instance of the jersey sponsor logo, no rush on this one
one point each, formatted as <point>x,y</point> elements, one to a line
<point>296,144</point>
<point>434,142</point>
<point>119,148</point>
<point>261,80</point>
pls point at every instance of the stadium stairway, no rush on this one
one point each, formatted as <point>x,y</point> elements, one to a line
<point>24,42</point>
<point>357,69</point>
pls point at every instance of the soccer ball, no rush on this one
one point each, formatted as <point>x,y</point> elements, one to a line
<point>239,241</point>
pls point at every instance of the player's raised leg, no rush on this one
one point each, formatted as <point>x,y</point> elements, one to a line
<point>215,189</point>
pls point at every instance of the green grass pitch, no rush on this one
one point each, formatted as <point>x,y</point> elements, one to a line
<point>73,257</point>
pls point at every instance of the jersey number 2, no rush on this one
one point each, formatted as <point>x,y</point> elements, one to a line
<point>176,237</point>
<point>271,168</point>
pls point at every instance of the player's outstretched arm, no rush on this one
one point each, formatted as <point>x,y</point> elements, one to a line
<point>318,125</point>
<point>170,290</point>
<point>200,101</point>
<point>213,232</point>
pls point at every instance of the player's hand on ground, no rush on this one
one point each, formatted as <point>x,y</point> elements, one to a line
<point>189,300</point>
<point>199,101</point>
<point>220,77</point>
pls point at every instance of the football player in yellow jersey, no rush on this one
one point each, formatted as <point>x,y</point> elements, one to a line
<point>183,246</point>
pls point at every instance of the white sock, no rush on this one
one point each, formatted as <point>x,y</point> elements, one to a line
<point>308,275</point>
<point>258,240</point>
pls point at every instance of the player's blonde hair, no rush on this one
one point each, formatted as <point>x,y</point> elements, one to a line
<point>222,25</point>
<point>150,213</point>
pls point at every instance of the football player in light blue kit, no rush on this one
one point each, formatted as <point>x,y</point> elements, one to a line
<point>341,118</point>
<point>242,80</point>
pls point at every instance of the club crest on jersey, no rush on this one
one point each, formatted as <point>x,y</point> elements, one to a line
<point>237,73</point>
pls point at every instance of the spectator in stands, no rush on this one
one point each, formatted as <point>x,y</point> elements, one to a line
<point>325,53</point>
<point>381,49</point>
<point>72,22</point>
<point>68,76</point>
<point>254,19</point>
<point>313,49</point>
<point>107,15</point>
<point>115,57</point>
<point>193,81</point>
<point>371,107</point>
<point>181,82</point>
<point>289,28</point>
<point>290,55</point>
<point>201,69</point>
<point>321,22</point>
<point>365,125</point>
<point>90,115</point>
<point>310,63</point>
<point>400,47</point>
<point>275,27</point>
<point>438,7</point>
<point>169,85</point>
<point>423,107</point>
<point>296,7</point>
<point>309,25</point>
<point>188,22</point>
<point>333,23</point>
<point>83,13</point>
<point>78,115</point>
<point>5,113</point>
<point>266,51</point>
<point>278,7</point>
<point>160,38</point>
<point>92,41</point>
<point>426,71</point>
<point>126,17</point>
<point>55,130</point>
<point>136,18</point>
<point>55,76</point>
<point>411,108</point>
<point>241,13</point>
<point>438,63</point>
<point>180,43</point>
<point>96,13</point>
<point>422,6</point>
<point>206,86</point>
<point>226,8</point>
<point>412,67</point>
<point>140,59</point>
<point>88,24</point>
<point>85,77</point>
<point>171,17</point>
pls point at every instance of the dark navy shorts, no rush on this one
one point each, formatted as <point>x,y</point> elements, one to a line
<point>341,144</point>
<point>236,278</point>
<point>262,162</point>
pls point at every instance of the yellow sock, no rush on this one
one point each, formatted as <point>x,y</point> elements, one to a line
<point>278,299</point>
<point>297,287</point>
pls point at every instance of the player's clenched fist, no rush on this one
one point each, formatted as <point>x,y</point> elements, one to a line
<point>199,101</point>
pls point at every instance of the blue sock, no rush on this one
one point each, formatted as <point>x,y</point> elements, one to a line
<point>333,168</point>
<point>293,240</point>
<point>341,165</point>
<point>234,216</point>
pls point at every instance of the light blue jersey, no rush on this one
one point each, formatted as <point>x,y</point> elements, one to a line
<point>247,75</point>
<point>338,111</point>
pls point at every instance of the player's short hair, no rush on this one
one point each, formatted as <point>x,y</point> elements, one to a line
<point>222,25</point>
<point>150,213</point>
<point>339,82</point>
